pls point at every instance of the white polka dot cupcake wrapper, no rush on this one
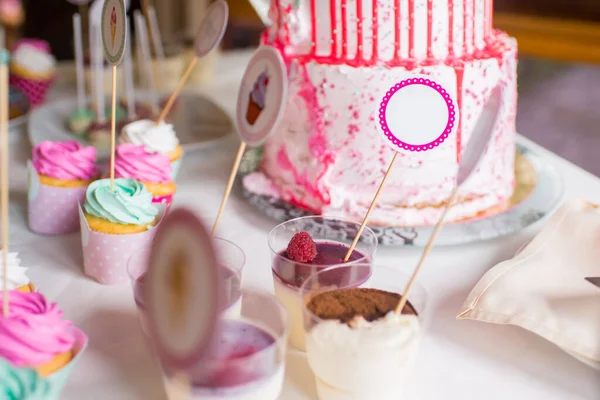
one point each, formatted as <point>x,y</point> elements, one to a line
<point>53,210</point>
<point>105,256</point>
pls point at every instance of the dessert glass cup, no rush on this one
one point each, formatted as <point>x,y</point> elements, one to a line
<point>361,363</point>
<point>332,230</point>
<point>232,260</point>
<point>249,355</point>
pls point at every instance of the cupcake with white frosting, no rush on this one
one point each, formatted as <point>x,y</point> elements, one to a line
<point>156,138</point>
<point>16,275</point>
<point>33,69</point>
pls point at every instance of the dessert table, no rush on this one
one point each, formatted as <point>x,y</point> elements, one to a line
<point>457,359</point>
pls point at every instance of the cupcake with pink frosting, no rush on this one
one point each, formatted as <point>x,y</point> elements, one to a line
<point>59,175</point>
<point>152,169</point>
<point>38,348</point>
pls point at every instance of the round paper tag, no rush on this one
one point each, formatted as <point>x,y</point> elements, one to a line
<point>182,290</point>
<point>114,30</point>
<point>212,28</point>
<point>417,114</point>
<point>262,96</point>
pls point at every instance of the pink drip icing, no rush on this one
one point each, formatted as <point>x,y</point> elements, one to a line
<point>398,29</point>
<point>411,29</point>
<point>465,22</point>
<point>430,29</point>
<point>313,23</point>
<point>451,29</point>
<point>359,31</point>
<point>375,55</point>
<point>334,41</point>
<point>344,29</point>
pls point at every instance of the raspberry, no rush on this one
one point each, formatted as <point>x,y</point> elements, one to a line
<point>302,248</point>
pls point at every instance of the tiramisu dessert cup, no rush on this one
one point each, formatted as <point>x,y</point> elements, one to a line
<point>357,346</point>
<point>232,260</point>
<point>303,246</point>
<point>247,361</point>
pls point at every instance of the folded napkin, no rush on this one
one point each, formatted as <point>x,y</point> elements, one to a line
<point>543,289</point>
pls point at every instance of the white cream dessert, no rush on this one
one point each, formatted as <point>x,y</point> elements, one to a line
<point>16,274</point>
<point>360,359</point>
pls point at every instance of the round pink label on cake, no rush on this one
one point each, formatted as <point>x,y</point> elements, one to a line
<point>114,30</point>
<point>262,97</point>
<point>212,28</point>
<point>417,114</point>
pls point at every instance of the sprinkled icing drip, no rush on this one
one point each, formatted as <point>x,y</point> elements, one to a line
<point>344,21</point>
<point>397,19</point>
<point>411,29</point>
<point>359,31</point>
<point>313,27</point>
<point>430,29</point>
<point>450,29</point>
<point>465,33</point>
<point>375,28</point>
<point>334,41</point>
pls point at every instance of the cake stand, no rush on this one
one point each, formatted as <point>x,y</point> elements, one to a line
<point>538,193</point>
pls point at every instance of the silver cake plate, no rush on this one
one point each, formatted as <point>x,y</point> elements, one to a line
<point>540,189</point>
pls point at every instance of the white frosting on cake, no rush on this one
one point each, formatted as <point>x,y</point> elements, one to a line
<point>33,59</point>
<point>327,154</point>
<point>155,138</point>
<point>16,274</point>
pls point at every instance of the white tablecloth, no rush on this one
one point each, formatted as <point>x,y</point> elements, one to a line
<point>457,360</point>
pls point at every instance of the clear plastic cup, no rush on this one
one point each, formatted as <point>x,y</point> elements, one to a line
<point>248,360</point>
<point>288,276</point>
<point>231,258</point>
<point>370,361</point>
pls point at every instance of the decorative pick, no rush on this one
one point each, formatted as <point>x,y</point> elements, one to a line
<point>146,68</point>
<point>182,294</point>
<point>260,107</point>
<point>96,64</point>
<point>415,115</point>
<point>4,60</point>
<point>114,37</point>
<point>157,43</point>
<point>209,36</point>
<point>472,155</point>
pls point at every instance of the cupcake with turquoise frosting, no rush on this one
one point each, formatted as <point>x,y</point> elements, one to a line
<point>127,209</point>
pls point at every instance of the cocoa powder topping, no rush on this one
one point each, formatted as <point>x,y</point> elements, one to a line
<point>346,304</point>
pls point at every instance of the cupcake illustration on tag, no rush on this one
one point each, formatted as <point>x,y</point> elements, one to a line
<point>256,102</point>
<point>261,100</point>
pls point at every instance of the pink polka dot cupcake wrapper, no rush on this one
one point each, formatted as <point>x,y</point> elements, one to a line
<point>105,256</point>
<point>35,90</point>
<point>166,200</point>
<point>52,210</point>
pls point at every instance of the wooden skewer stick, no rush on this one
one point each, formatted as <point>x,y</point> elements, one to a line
<point>371,208</point>
<point>426,252</point>
<point>4,175</point>
<point>113,107</point>
<point>234,170</point>
<point>182,81</point>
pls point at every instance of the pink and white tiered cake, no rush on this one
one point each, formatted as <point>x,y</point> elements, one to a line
<point>342,56</point>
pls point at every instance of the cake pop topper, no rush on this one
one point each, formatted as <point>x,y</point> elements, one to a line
<point>114,30</point>
<point>417,114</point>
<point>114,35</point>
<point>260,107</point>
<point>182,290</point>
<point>212,28</point>
<point>472,155</point>
<point>261,99</point>
<point>209,36</point>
